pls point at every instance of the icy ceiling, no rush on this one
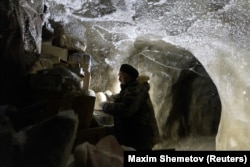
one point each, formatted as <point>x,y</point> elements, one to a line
<point>216,32</point>
<point>204,27</point>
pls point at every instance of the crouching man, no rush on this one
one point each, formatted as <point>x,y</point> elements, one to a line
<point>134,118</point>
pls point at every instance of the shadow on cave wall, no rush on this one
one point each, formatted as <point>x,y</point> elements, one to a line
<point>185,99</point>
<point>196,107</point>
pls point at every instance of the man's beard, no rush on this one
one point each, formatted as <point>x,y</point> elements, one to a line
<point>123,86</point>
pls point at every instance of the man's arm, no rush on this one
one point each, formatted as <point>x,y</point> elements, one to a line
<point>127,105</point>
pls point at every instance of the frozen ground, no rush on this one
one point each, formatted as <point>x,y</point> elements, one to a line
<point>190,144</point>
<point>197,143</point>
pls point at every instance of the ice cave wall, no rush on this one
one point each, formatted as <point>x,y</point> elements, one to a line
<point>215,32</point>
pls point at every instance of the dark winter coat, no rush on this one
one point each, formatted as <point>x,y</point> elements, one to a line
<point>134,118</point>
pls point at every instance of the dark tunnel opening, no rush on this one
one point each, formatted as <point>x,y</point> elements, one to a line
<point>196,106</point>
<point>186,100</point>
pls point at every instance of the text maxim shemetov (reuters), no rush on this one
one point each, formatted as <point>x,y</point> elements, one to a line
<point>210,158</point>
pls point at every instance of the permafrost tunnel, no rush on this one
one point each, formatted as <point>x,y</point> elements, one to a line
<point>215,32</point>
<point>195,53</point>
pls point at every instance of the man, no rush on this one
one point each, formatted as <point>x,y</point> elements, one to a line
<point>134,119</point>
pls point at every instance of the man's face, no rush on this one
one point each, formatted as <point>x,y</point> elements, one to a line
<point>124,78</point>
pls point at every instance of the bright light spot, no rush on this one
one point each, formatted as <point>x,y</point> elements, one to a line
<point>233,143</point>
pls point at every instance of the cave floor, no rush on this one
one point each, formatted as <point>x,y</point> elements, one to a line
<point>189,144</point>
